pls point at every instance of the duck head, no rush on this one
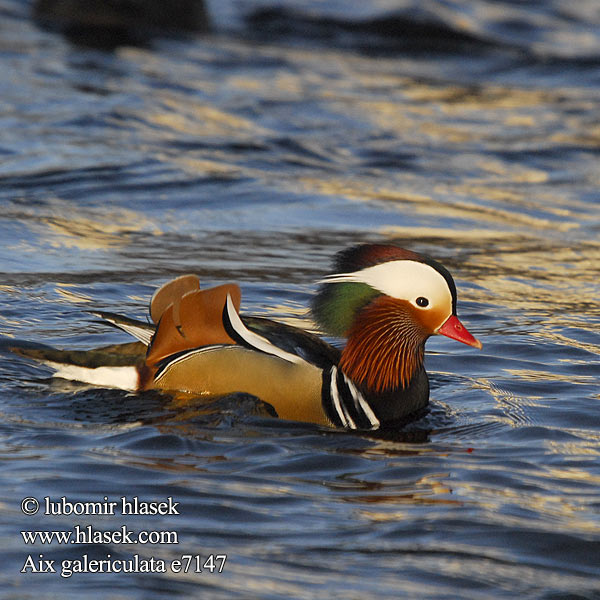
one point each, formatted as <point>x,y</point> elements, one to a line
<point>387,301</point>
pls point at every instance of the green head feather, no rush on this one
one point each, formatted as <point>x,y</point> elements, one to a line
<point>336,305</point>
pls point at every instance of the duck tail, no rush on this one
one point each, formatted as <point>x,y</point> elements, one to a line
<point>111,366</point>
<point>138,329</point>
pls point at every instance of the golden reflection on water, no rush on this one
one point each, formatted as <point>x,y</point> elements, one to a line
<point>290,314</point>
<point>211,168</point>
<point>550,279</point>
<point>513,409</point>
<point>550,507</point>
<point>66,225</point>
<point>199,120</point>
<point>539,375</point>
<point>70,296</point>
<point>453,201</point>
<point>590,447</point>
<point>494,193</point>
<point>88,234</point>
<point>570,341</point>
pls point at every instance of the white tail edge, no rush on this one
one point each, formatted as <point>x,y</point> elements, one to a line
<point>124,378</point>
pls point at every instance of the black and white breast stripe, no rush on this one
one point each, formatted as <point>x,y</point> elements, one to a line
<point>344,404</point>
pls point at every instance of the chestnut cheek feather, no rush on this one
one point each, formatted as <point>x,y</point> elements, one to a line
<point>385,345</point>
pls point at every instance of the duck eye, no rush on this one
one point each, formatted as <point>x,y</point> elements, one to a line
<point>422,302</point>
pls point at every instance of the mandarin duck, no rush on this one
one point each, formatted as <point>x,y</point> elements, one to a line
<point>385,300</point>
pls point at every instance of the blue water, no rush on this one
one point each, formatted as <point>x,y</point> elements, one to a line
<point>465,130</point>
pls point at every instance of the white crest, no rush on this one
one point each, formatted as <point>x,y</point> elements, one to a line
<point>403,279</point>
